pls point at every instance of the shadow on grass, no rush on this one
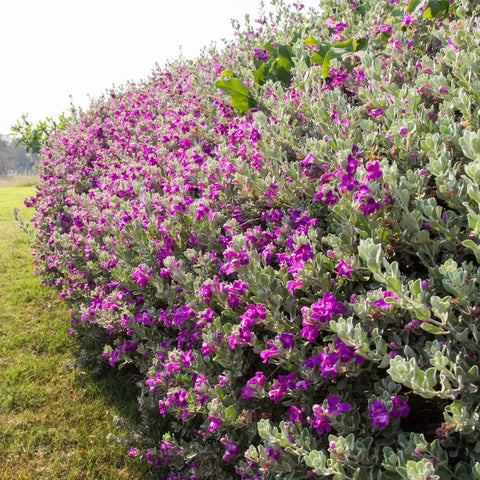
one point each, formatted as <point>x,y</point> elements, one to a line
<point>117,386</point>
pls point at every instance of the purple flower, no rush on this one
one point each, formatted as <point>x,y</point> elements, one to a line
<point>334,405</point>
<point>258,379</point>
<point>381,303</point>
<point>400,408</point>
<point>369,206</point>
<point>140,276</point>
<point>408,19</point>
<point>247,392</point>
<point>287,340</point>
<point>344,269</point>
<point>403,131</point>
<point>214,424</point>
<point>329,365</point>
<point>232,452</point>
<point>374,170</point>
<point>261,54</point>
<point>376,112</point>
<point>321,421</point>
<point>292,285</point>
<point>379,416</point>
<point>271,352</point>
<point>295,413</point>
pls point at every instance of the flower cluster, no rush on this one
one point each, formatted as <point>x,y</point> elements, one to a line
<point>380,415</point>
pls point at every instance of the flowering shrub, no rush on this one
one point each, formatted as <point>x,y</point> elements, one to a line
<point>283,239</point>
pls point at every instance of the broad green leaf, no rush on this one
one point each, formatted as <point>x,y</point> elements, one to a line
<point>435,7</point>
<point>413,5</point>
<point>260,75</point>
<point>311,41</point>
<point>241,99</point>
<point>428,327</point>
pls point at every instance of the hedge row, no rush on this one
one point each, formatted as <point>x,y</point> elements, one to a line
<point>283,240</point>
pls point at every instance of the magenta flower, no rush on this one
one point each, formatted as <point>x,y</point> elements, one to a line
<point>292,285</point>
<point>369,205</point>
<point>271,352</point>
<point>287,340</point>
<point>320,421</point>
<point>376,112</point>
<point>374,170</point>
<point>408,19</point>
<point>400,408</point>
<point>214,424</point>
<point>247,392</point>
<point>344,269</point>
<point>141,276</point>
<point>384,305</point>
<point>379,415</point>
<point>335,406</point>
<point>295,413</point>
<point>258,379</point>
<point>232,452</point>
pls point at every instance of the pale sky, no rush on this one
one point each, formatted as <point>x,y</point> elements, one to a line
<point>54,52</point>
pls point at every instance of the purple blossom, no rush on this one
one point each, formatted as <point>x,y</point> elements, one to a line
<point>295,413</point>
<point>376,112</point>
<point>320,312</point>
<point>261,54</point>
<point>369,205</point>
<point>400,408</point>
<point>320,421</point>
<point>344,269</point>
<point>258,379</point>
<point>374,170</point>
<point>214,424</point>
<point>407,19</point>
<point>379,415</point>
<point>232,452</point>
<point>335,406</point>
<point>273,351</point>
<point>382,303</point>
<point>292,285</point>
<point>141,276</point>
<point>287,340</point>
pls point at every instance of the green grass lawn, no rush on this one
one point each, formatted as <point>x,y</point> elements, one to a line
<point>54,417</point>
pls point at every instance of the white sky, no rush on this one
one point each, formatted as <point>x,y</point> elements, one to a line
<point>54,52</point>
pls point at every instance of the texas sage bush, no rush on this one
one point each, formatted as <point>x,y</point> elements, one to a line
<point>282,238</point>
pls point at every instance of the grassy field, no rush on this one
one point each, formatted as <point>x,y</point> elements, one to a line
<point>54,417</point>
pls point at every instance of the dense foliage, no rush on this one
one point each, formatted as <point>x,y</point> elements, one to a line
<point>283,238</point>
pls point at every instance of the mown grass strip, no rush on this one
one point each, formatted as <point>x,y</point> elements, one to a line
<point>55,419</point>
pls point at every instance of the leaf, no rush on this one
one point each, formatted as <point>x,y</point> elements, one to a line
<point>284,65</point>
<point>326,53</point>
<point>240,94</point>
<point>474,247</point>
<point>428,327</point>
<point>360,44</point>
<point>435,7</point>
<point>260,74</point>
<point>413,5</point>
<point>230,414</point>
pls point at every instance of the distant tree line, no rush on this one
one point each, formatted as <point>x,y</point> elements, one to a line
<point>14,158</point>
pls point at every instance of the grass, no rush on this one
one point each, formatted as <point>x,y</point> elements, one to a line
<point>55,418</point>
